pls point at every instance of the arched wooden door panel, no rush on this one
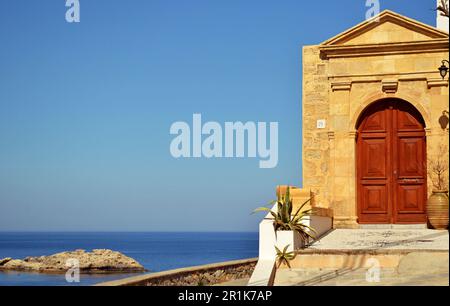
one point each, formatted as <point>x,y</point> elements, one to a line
<point>391,161</point>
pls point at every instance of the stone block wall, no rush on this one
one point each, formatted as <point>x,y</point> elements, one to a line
<point>339,82</point>
<point>316,146</point>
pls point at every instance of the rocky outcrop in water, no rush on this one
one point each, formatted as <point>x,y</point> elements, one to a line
<point>97,261</point>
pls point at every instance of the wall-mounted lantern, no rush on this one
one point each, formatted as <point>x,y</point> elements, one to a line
<point>443,70</point>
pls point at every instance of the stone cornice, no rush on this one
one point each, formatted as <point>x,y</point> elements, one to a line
<point>386,16</point>
<point>376,77</point>
<point>428,46</point>
<point>389,85</point>
<point>437,83</point>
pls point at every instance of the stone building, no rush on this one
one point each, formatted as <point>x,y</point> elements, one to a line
<point>373,107</point>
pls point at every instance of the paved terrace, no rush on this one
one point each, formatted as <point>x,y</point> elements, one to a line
<point>394,239</point>
<point>422,254</point>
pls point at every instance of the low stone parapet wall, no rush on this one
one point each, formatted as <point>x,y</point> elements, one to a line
<point>205,275</point>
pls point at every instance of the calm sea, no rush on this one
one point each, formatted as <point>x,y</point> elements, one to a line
<point>155,251</point>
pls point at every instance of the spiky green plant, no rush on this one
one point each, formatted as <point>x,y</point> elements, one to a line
<point>285,256</point>
<point>285,220</point>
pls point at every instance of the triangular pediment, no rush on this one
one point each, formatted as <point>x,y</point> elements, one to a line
<point>385,28</point>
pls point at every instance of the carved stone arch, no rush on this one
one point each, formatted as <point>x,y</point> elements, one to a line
<point>379,97</point>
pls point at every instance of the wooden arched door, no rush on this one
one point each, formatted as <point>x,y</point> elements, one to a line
<point>391,164</point>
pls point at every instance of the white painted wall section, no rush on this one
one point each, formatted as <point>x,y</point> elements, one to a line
<point>265,270</point>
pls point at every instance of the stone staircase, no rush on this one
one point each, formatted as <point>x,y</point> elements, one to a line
<point>346,256</point>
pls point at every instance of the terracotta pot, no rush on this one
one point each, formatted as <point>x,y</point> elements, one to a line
<point>437,210</point>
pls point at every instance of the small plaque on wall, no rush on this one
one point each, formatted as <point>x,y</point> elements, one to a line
<point>321,124</point>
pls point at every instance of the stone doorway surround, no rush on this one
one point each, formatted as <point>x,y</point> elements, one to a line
<point>391,56</point>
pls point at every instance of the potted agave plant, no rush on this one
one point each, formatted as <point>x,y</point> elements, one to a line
<point>437,206</point>
<point>290,228</point>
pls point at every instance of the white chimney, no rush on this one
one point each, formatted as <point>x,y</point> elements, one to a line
<point>442,22</point>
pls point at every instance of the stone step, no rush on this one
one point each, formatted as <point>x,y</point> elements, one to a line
<point>350,239</point>
<point>358,277</point>
<point>357,259</point>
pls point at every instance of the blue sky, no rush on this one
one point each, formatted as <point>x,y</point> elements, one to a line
<point>85,109</point>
